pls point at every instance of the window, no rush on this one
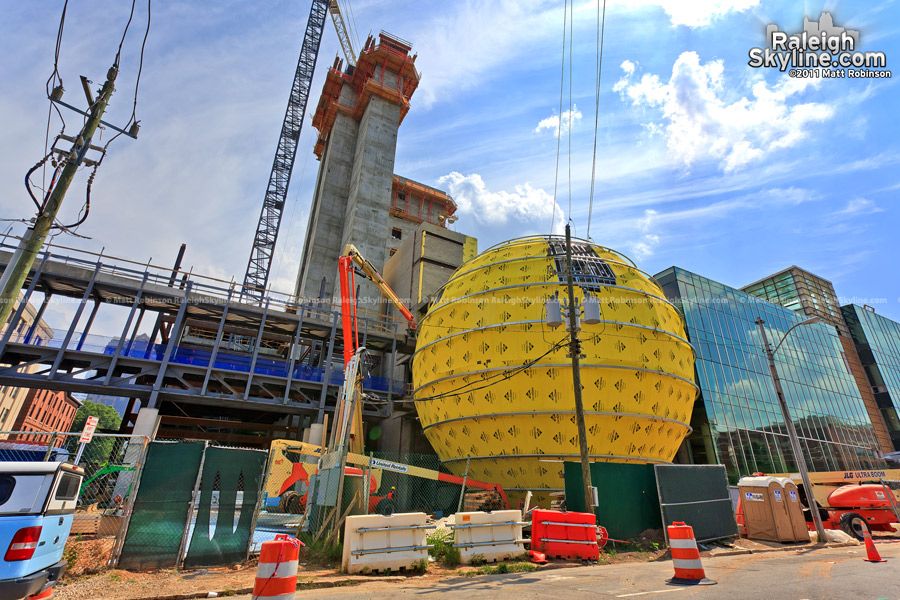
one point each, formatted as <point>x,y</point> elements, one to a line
<point>3,414</point>
<point>397,233</point>
<point>393,251</point>
<point>7,484</point>
<point>67,489</point>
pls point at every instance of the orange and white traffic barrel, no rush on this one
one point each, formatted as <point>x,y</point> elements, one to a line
<point>276,574</point>
<point>686,556</point>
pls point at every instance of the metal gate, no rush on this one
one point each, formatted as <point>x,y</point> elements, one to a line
<point>160,512</point>
<point>226,506</point>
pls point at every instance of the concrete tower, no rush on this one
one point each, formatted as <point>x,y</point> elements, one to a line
<point>355,198</point>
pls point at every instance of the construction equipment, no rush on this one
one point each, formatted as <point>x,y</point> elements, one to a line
<point>856,509</point>
<point>348,411</point>
<point>348,295</point>
<point>257,277</point>
<point>338,20</point>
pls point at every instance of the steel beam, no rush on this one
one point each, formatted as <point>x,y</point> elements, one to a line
<point>170,347</point>
<point>320,416</point>
<point>256,344</point>
<point>71,331</point>
<point>119,346</point>
<point>21,308</point>
<point>292,363</point>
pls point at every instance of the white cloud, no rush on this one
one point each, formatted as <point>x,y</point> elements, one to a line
<point>502,214</point>
<point>570,119</point>
<point>699,13</point>
<point>857,207</point>
<point>647,242</point>
<point>700,121</point>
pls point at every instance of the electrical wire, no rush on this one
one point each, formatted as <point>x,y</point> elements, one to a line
<point>562,77</point>
<point>137,82</point>
<point>503,376</point>
<point>51,81</point>
<point>602,29</point>
<point>124,33</point>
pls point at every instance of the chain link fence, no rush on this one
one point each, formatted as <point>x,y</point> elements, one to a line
<point>381,482</point>
<point>111,464</point>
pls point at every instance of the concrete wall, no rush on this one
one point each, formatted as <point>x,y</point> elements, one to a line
<point>366,223</point>
<point>327,214</point>
<point>425,261</point>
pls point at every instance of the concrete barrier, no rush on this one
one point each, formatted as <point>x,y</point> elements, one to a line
<point>495,535</point>
<point>375,542</point>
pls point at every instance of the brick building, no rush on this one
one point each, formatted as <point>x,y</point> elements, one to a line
<point>33,328</point>
<point>47,411</point>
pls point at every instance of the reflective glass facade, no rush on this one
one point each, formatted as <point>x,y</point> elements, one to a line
<point>801,291</point>
<point>737,421</point>
<point>877,342</point>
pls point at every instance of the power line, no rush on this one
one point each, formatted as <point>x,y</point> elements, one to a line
<point>505,375</point>
<point>124,33</point>
<point>602,26</point>
<point>51,81</point>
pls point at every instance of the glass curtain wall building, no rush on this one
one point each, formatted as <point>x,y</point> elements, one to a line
<point>877,342</point>
<point>801,291</point>
<point>737,421</point>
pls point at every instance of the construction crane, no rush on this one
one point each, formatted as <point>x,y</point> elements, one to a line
<point>341,29</point>
<point>257,277</point>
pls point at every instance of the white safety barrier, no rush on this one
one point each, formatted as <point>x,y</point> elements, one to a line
<point>495,535</point>
<point>374,542</point>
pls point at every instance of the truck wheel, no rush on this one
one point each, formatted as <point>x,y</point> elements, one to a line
<point>385,507</point>
<point>854,525</point>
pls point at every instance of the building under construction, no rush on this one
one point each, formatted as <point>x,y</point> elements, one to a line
<point>223,364</point>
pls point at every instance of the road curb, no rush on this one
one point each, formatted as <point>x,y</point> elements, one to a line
<point>770,550</point>
<point>301,586</point>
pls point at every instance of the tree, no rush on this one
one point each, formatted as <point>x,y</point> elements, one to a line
<point>99,449</point>
<point>109,418</point>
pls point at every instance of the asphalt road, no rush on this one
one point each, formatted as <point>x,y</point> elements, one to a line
<point>836,573</point>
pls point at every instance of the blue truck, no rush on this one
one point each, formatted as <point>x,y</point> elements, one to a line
<point>37,506</point>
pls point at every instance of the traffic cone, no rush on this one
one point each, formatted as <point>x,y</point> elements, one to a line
<point>686,556</point>
<point>871,552</point>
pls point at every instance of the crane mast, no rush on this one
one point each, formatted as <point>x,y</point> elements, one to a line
<point>257,277</point>
<point>341,29</point>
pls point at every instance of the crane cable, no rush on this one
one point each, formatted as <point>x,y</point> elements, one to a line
<point>562,77</point>
<point>602,26</point>
<point>569,126</point>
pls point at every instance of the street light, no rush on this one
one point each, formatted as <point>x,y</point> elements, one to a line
<point>792,433</point>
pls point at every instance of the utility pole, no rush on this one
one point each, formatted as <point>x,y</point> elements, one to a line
<point>575,350</point>
<point>20,265</point>
<point>792,433</point>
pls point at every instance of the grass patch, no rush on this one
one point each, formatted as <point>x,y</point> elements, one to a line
<point>504,567</point>
<point>419,566</point>
<point>443,550</point>
<point>320,552</point>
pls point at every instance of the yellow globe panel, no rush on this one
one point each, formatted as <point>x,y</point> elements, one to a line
<point>493,383</point>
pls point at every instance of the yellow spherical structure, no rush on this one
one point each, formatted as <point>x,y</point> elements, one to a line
<point>493,382</point>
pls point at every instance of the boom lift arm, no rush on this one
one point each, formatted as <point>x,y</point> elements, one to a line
<point>349,411</point>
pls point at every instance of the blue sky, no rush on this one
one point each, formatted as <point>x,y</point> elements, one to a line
<point>702,161</point>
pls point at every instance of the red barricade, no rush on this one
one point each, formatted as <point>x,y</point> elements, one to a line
<point>565,534</point>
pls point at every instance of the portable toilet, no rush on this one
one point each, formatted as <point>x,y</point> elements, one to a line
<point>765,512</point>
<point>795,510</point>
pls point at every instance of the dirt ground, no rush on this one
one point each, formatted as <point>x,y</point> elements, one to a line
<point>173,584</point>
<point>115,584</point>
<point>88,556</point>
